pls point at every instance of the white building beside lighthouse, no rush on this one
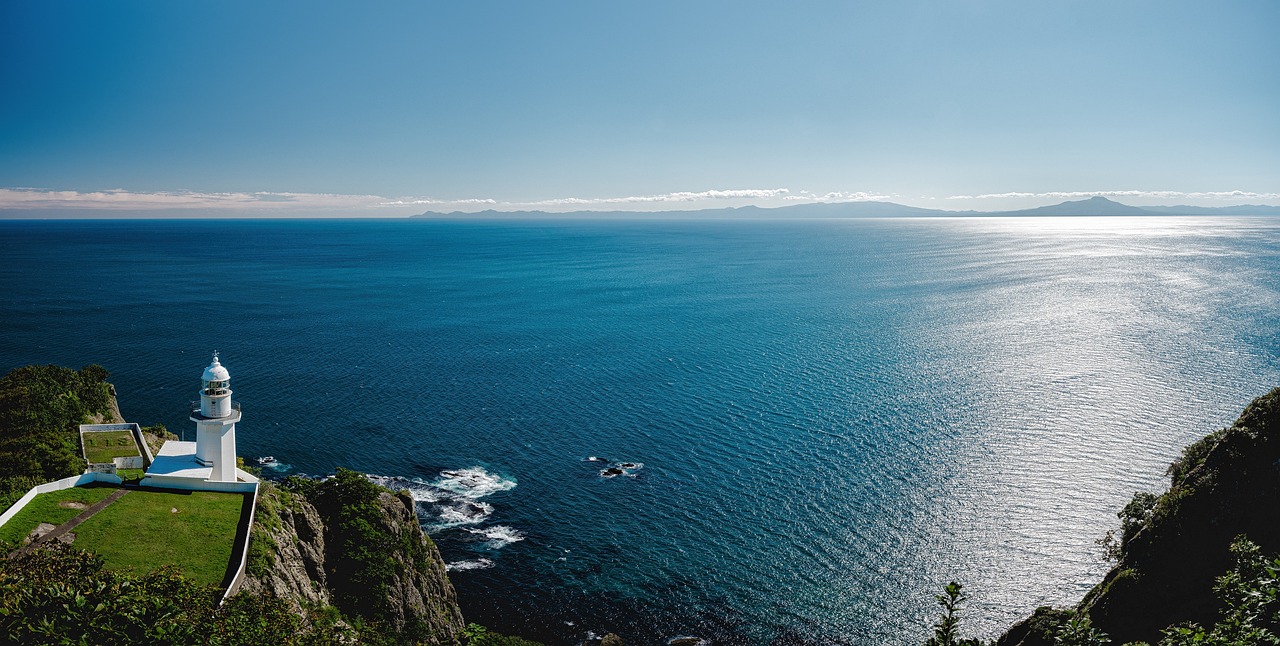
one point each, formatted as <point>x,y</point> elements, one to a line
<point>209,463</point>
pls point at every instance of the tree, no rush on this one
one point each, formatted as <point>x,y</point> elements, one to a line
<point>1079,631</point>
<point>947,631</point>
<point>1250,595</point>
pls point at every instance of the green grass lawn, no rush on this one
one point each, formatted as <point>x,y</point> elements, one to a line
<point>142,532</point>
<point>102,446</point>
<point>45,509</point>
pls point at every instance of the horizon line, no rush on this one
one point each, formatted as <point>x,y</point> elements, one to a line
<point>259,203</point>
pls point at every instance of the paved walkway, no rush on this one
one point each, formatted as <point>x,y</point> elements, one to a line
<point>71,524</point>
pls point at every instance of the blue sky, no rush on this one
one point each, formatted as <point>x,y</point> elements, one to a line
<point>390,108</point>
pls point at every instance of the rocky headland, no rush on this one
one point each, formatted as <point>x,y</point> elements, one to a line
<point>1173,549</point>
<point>349,543</point>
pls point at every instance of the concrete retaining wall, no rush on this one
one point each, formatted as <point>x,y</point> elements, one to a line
<point>57,485</point>
<point>144,460</point>
<point>134,462</point>
<point>234,587</point>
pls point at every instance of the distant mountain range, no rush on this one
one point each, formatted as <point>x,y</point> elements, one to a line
<point>1094,206</point>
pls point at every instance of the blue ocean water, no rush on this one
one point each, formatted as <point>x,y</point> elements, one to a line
<point>826,420</point>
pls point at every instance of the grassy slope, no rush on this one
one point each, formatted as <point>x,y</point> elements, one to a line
<point>140,531</point>
<point>44,509</point>
<point>103,446</point>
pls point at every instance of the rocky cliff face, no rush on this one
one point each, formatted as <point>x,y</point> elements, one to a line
<point>388,573</point>
<point>291,560</point>
<point>1223,486</point>
<point>112,414</point>
<point>420,591</point>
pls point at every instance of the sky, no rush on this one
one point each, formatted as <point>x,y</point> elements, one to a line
<point>385,109</point>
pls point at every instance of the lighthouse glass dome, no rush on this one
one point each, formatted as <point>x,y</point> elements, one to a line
<point>216,379</point>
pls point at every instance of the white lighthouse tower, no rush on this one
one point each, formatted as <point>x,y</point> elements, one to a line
<point>215,420</point>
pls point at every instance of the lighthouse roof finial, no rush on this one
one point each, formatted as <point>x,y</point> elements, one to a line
<point>216,371</point>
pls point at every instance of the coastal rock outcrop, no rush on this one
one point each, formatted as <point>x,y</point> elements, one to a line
<point>288,552</point>
<point>349,543</point>
<point>1175,545</point>
<point>420,591</point>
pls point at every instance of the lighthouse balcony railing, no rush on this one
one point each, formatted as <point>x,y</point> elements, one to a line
<point>195,407</point>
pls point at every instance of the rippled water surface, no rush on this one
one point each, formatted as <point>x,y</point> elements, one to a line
<point>825,420</point>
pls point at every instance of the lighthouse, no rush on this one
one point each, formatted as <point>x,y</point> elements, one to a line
<point>215,416</point>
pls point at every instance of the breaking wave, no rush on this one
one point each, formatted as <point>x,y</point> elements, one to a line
<point>451,505</point>
<point>470,564</point>
<point>498,536</point>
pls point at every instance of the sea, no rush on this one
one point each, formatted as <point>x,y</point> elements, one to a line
<point>747,432</point>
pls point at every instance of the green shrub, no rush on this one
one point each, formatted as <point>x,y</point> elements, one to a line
<point>947,631</point>
<point>63,596</point>
<point>40,410</point>
<point>477,635</point>
<point>363,566</point>
<point>1250,604</point>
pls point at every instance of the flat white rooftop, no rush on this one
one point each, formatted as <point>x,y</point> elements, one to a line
<point>178,460</point>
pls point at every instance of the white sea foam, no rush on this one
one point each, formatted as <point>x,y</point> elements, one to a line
<point>471,564</point>
<point>421,490</point>
<point>498,536</point>
<point>463,512</point>
<point>452,501</point>
<point>473,483</point>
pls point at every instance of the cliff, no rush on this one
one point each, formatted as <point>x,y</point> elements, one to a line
<point>348,543</point>
<point>1174,546</point>
<point>286,552</point>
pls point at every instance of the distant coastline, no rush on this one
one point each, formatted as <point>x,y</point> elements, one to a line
<point>1091,207</point>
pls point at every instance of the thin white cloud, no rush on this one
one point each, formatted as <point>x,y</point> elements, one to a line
<point>125,200</point>
<point>421,201</point>
<point>120,199</point>
<point>682,196</point>
<point>837,196</point>
<point>1193,195</point>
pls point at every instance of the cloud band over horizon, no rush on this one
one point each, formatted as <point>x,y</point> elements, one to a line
<point>283,203</point>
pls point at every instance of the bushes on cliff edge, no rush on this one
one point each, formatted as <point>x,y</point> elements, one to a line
<point>40,409</point>
<point>60,595</point>
<point>477,635</point>
<point>364,564</point>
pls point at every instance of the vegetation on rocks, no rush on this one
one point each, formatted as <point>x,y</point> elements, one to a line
<point>393,586</point>
<point>477,635</point>
<point>1189,566</point>
<point>41,408</point>
<point>60,595</point>
<point>155,437</point>
<point>352,543</point>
